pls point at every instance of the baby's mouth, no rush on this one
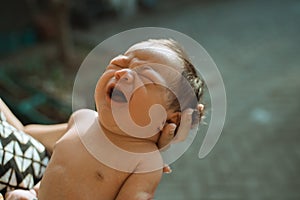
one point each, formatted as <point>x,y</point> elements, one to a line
<point>117,95</point>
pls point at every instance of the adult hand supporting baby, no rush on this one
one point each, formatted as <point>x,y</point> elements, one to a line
<point>168,133</point>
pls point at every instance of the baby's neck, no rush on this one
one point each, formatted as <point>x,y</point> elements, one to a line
<point>128,142</point>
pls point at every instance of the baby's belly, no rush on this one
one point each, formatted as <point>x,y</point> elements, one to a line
<point>60,185</point>
<point>74,174</point>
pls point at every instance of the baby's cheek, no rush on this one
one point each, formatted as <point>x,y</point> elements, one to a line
<point>141,103</point>
<point>139,112</point>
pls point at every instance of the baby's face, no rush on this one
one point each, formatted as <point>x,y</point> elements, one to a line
<point>133,83</point>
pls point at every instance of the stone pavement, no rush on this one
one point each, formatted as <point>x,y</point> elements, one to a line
<point>255,45</point>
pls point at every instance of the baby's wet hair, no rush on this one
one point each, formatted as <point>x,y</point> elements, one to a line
<point>188,73</point>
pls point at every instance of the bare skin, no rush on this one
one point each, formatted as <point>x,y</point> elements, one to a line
<point>73,173</point>
<point>49,133</point>
<point>93,180</point>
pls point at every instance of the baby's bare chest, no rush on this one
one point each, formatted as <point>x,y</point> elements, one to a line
<point>74,174</point>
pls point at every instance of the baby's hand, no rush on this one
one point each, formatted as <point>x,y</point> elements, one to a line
<point>21,195</point>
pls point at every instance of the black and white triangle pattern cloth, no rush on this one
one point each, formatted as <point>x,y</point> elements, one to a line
<point>23,159</point>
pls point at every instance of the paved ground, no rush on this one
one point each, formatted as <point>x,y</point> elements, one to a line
<point>256,47</point>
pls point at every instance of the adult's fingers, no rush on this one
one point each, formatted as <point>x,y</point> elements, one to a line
<point>186,123</point>
<point>185,126</point>
<point>166,136</point>
<point>200,108</point>
<point>167,169</point>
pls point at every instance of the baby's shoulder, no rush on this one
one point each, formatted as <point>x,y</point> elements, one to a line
<point>84,113</point>
<point>82,116</point>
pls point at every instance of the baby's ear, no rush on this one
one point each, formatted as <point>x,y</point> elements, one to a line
<point>174,117</point>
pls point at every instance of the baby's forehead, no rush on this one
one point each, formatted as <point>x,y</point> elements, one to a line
<point>151,47</point>
<point>156,53</point>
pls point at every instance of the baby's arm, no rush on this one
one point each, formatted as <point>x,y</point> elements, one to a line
<point>140,186</point>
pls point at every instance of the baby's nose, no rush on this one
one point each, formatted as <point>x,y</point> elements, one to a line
<point>125,74</point>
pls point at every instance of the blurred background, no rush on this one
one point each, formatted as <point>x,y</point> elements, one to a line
<point>254,43</point>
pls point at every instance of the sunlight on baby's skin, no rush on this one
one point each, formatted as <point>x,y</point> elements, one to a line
<point>102,166</point>
<point>121,75</point>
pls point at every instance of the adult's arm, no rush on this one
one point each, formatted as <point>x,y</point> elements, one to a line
<point>48,135</point>
<point>10,117</point>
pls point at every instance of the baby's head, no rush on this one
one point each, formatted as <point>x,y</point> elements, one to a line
<point>151,72</point>
<point>189,81</point>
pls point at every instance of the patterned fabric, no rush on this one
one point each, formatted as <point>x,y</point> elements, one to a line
<point>23,159</point>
